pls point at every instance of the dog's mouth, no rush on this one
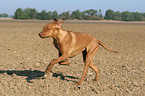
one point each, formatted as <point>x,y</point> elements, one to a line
<point>41,36</point>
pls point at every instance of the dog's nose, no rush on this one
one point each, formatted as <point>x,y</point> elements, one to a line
<point>40,34</point>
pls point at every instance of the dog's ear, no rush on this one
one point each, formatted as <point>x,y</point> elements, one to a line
<point>58,26</point>
<point>55,21</point>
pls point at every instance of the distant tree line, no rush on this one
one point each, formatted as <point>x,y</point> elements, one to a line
<point>91,14</point>
<point>30,13</point>
<point>124,16</point>
<point>3,15</point>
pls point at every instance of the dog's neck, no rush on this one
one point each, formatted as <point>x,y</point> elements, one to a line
<point>59,34</point>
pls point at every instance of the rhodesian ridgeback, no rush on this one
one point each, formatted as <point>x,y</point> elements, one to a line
<point>69,44</point>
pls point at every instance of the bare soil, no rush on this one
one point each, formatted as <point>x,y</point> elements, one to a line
<point>24,57</point>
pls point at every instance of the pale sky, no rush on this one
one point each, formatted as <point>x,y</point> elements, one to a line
<point>10,6</point>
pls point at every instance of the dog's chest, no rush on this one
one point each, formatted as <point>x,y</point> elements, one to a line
<point>56,44</point>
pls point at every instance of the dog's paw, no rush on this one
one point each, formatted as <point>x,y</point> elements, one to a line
<point>77,84</point>
<point>45,75</point>
<point>95,80</point>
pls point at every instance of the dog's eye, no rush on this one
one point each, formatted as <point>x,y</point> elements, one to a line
<point>44,28</point>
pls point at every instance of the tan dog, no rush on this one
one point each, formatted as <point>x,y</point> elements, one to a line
<point>69,44</point>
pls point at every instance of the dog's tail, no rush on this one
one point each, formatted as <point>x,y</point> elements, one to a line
<point>100,43</point>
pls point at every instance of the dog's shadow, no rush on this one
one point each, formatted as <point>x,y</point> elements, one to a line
<point>36,74</point>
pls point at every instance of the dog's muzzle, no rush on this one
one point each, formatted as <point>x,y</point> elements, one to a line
<point>40,35</point>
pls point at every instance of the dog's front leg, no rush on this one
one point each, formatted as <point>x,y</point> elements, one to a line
<point>54,61</point>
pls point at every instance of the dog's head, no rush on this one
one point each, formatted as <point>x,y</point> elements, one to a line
<point>51,29</point>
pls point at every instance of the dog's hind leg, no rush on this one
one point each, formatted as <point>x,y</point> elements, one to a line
<point>92,65</point>
<point>87,57</point>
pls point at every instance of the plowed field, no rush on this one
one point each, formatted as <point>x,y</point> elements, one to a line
<point>24,57</point>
